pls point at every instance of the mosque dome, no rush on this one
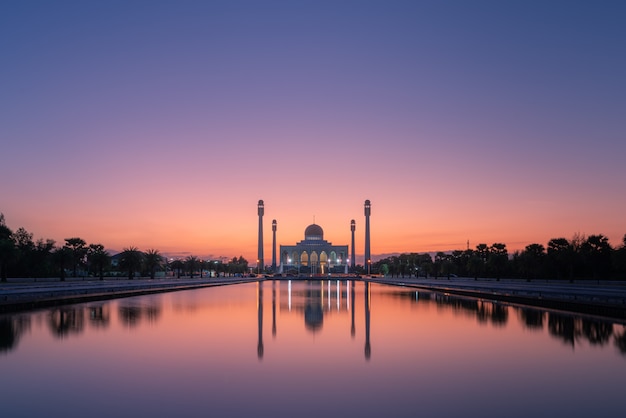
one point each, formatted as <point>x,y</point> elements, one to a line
<point>313,232</point>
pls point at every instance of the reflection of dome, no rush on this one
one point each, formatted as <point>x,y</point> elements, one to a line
<point>313,232</point>
<point>313,317</point>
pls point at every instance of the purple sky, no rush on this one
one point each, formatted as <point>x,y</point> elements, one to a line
<point>160,124</point>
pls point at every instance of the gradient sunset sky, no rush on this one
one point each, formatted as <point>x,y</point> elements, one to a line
<point>161,124</point>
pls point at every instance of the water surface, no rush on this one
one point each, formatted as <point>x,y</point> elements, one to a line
<point>309,349</point>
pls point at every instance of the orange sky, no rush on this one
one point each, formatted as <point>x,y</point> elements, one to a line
<point>457,123</point>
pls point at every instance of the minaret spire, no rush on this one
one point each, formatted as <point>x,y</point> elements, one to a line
<point>368,255</point>
<point>261,212</point>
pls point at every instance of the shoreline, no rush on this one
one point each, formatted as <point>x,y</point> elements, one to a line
<point>607,299</point>
<point>23,294</point>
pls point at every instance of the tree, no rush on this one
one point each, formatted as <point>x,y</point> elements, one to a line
<point>192,262</point>
<point>98,259</point>
<point>497,258</point>
<point>43,258</point>
<point>177,265</point>
<point>560,257</point>
<point>131,260</point>
<point>596,253</point>
<point>62,258</point>
<point>153,260</point>
<point>532,260</point>
<point>78,250</point>
<point>7,248</point>
<point>619,260</point>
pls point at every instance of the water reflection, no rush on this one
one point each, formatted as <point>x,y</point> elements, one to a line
<point>11,329</point>
<point>363,349</point>
<point>99,315</point>
<point>66,321</point>
<point>368,347</point>
<point>131,313</point>
<point>568,328</point>
<point>259,348</point>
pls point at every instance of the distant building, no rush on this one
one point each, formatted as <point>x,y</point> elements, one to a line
<point>313,255</point>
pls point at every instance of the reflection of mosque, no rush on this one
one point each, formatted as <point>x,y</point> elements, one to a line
<point>314,300</point>
<point>313,255</point>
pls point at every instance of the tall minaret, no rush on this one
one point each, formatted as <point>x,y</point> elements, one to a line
<point>353,258</point>
<point>368,255</point>
<point>261,211</point>
<point>274,246</point>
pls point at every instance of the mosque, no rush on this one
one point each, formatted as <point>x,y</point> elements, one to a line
<point>313,255</point>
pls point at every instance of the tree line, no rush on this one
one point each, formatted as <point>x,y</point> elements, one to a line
<point>581,257</point>
<point>20,256</point>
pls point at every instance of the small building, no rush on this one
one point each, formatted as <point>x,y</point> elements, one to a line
<point>314,255</point>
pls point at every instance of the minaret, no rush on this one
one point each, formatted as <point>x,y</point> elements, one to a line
<point>353,258</point>
<point>274,246</point>
<point>368,256</point>
<point>261,211</point>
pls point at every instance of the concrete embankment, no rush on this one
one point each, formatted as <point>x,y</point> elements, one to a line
<point>606,299</point>
<point>24,295</point>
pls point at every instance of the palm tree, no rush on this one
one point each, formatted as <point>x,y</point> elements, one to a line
<point>98,258</point>
<point>177,265</point>
<point>7,248</point>
<point>192,263</point>
<point>62,258</point>
<point>152,261</point>
<point>131,260</point>
<point>78,249</point>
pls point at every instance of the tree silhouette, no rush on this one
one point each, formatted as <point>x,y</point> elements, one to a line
<point>131,260</point>
<point>78,251</point>
<point>152,260</point>
<point>7,248</point>
<point>98,258</point>
<point>192,262</point>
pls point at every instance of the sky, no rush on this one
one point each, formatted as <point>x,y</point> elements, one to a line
<point>160,124</point>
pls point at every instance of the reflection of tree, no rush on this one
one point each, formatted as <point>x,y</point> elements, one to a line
<point>11,328</point>
<point>598,333</point>
<point>99,316</point>
<point>152,313</point>
<point>130,315</point>
<point>563,327</point>
<point>620,342</point>
<point>499,314</point>
<point>65,321</point>
<point>532,318</point>
<point>8,335</point>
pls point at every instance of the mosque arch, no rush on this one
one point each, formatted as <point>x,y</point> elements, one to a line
<point>324,262</point>
<point>304,259</point>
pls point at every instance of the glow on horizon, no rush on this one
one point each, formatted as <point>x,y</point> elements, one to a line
<point>458,122</point>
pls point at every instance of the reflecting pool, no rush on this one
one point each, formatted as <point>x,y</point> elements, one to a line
<point>309,349</point>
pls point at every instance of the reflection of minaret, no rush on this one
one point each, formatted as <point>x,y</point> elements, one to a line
<point>261,211</point>
<point>353,228</point>
<point>273,308</point>
<point>259,348</point>
<point>352,329</point>
<point>274,245</point>
<point>368,348</point>
<point>368,257</point>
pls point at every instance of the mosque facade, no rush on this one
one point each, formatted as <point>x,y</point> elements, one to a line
<point>313,255</point>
